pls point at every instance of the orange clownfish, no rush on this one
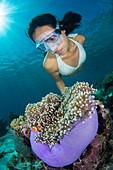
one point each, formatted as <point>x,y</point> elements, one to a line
<point>32,108</point>
<point>36,128</point>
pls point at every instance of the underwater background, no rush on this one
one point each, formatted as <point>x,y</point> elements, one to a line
<point>22,77</point>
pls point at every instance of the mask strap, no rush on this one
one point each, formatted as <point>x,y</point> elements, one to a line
<point>57,25</point>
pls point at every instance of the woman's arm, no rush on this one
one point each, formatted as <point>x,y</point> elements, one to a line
<point>59,82</point>
<point>51,67</point>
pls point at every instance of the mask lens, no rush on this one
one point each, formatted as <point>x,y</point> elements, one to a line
<point>41,47</point>
<point>52,39</point>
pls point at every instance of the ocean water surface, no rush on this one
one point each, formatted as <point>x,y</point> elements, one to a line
<point>22,77</point>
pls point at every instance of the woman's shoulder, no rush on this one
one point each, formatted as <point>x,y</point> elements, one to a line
<point>72,35</point>
<point>79,38</point>
<point>49,56</point>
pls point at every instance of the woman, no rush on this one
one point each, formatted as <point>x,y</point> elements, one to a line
<point>65,53</point>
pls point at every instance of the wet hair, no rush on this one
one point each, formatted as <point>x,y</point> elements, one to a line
<point>69,22</point>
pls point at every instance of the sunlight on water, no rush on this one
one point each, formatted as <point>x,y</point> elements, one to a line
<point>6,20</point>
<point>22,77</point>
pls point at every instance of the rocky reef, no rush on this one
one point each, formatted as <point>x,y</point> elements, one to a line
<point>98,153</point>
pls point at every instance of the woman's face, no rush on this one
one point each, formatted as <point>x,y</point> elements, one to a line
<point>61,47</point>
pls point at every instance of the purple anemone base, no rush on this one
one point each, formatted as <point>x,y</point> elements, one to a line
<point>71,146</point>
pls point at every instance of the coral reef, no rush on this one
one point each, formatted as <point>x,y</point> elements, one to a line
<point>105,90</point>
<point>99,151</point>
<point>93,157</point>
<point>14,155</point>
<point>63,124</point>
<point>97,155</point>
<point>54,116</point>
<point>18,123</point>
<point>21,128</point>
<point>40,116</point>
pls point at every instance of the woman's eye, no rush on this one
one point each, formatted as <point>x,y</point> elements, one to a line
<point>52,39</point>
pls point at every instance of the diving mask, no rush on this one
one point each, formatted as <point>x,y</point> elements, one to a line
<point>49,41</point>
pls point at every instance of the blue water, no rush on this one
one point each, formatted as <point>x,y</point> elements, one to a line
<point>22,77</point>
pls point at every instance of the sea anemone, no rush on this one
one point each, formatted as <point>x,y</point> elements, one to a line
<point>63,126</point>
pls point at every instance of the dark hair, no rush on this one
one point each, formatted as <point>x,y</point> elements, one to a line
<point>69,22</point>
